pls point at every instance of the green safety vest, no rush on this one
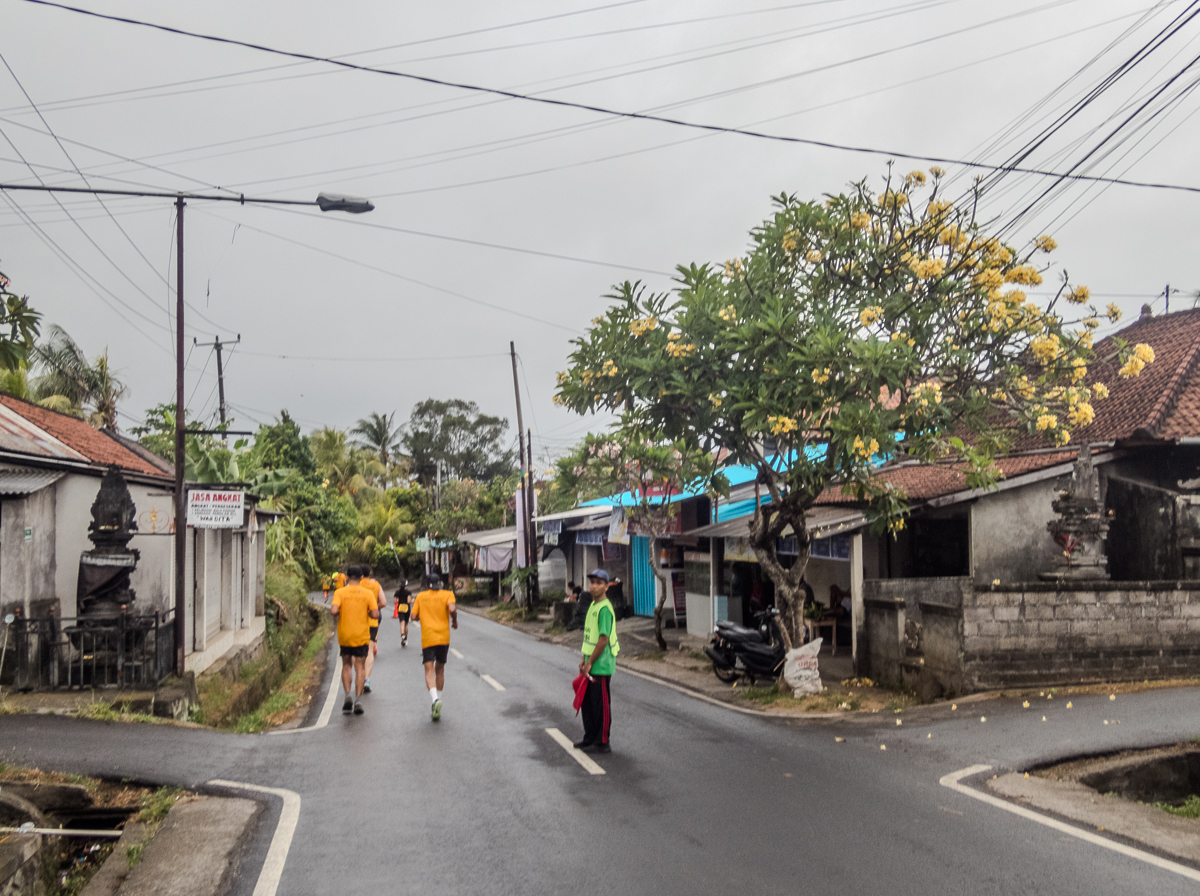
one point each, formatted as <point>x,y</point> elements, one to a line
<point>591,628</point>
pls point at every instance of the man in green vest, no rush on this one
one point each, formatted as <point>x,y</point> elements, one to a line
<point>600,648</point>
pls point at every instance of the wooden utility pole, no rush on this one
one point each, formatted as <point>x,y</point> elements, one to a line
<point>217,346</point>
<point>526,488</point>
<point>180,493</point>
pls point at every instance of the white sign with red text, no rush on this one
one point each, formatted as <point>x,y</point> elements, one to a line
<point>215,509</point>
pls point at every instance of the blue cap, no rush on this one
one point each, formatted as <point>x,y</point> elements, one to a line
<point>598,574</point>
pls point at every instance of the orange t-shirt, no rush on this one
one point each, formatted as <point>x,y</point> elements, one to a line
<point>432,610</point>
<point>355,603</point>
<point>372,585</point>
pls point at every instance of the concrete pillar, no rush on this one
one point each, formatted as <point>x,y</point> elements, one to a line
<point>858,616</point>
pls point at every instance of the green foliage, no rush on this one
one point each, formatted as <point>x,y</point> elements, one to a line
<point>454,432</point>
<point>469,505</point>
<point>281,447</point>
<point>156,805</point>
<point>157,430</point>
<point>378,433</point>
<point>67,381</point>
<point>1189,808</point>
<point>19,326</point>
<point>376,525</point>
<point>853,329</point>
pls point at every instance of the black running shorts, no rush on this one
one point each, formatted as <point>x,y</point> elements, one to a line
<point>360,651</point>
<point>435,653</point>
<point>403,617</point>
<point>374,633</point>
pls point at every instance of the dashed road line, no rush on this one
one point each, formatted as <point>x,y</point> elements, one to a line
<point>952,781</point>
<point>281,842</point>
<point>457,655</point>
<point>579,756</point>
<point>497,685</point>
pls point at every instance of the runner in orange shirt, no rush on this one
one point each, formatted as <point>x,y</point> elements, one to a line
<point>371,585</point>
<point>435,611</point>
<point>354,606</point>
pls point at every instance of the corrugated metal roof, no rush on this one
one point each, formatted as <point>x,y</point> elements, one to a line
<point>18,434</point>
<point>821,521</point>
<point>21,481</point>
<point>489,537</point>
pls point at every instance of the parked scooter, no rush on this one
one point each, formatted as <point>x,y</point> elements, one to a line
<point>754,652</point>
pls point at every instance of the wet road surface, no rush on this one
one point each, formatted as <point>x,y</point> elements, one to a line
<point>695,798</point>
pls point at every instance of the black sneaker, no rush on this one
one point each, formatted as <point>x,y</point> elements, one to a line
<point>358,710</point>
<point>367,686</point>
<point>603,748</point>
<point>348,705</point>
<point>584,745</point>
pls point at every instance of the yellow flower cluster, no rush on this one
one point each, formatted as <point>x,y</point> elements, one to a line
<point>1047,421</point>
<point>821,376</point>
<point>1062,437</point>
<point>1081,414</point>
<point>1100,391</point>
<point>937,170</point>
<point>1079,295</point>
<point>870,314</point>
<point>561,377</point>
<point>892,199</point>
<point>715,399</point>
<point>861,220</point>
<point>1112,312</point>
<point>678,349</point>
<point>728,314</point>
<point>989,279</point>
<point>939,207</point>
<point>927,394</point>
<point>733,269</point>
<point>1046,243</point>
<point>903,337</point>
<point>1078,370</point>
<point>814,256</point>
<point>1045,348</point>
<point>642,327</point>
<point>782,425</point>
<point>865,449</point>
<point>1143,353</point>
<point>791,240</point>
<point>927,268</point>
<point>914,179</point>
<point>1026,274</point>
<point>609,368</point>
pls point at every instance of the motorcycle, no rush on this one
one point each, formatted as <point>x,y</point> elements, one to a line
<point>736,650</point>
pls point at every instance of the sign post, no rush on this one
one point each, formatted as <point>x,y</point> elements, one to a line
<point>209,509</point>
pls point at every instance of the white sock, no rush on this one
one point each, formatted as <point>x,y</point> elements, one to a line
<point>433,695</point>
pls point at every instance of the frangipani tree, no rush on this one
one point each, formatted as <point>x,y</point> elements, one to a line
<point>649,472</point>
<point>853,329</point>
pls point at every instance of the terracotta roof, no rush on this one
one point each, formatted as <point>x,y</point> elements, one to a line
<point>1161,404</point>
<point>924,482</point>
<point>83,438</point>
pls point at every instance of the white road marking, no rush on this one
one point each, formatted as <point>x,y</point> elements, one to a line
<point>281,842</point>
<point>457,655</point>
<point>952,781</point>
<point>497,685</point>
<point>335,682</point>
<point>579,756</point>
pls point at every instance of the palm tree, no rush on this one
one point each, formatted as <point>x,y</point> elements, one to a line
<point>69,382</point>
<point>377,432</point>
<point>348,468</point>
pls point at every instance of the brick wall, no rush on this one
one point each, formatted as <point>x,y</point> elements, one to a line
<point>981,637</point>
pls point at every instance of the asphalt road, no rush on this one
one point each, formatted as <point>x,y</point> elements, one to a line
<point>696,798</point>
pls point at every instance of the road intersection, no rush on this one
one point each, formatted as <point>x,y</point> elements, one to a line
<point>693,799</point>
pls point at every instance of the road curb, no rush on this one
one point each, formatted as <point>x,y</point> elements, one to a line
<point>745,710</point>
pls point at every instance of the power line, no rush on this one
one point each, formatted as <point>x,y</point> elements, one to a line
<point>586,107</point>
<point>394,360</point>
<point>413,280</point>
<point>501,246</point>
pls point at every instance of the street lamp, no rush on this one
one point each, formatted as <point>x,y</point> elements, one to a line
<point>327,202</point>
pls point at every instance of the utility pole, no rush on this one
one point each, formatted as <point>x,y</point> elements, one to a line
<point>217,346</point>
<point>180,495</point>
<point>526,516</point>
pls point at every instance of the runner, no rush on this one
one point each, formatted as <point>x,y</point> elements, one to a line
<point>333,582</point>
<point>354,606</point>
<point>434,609</point>
<point>371,585</point>
<point>403,599</point>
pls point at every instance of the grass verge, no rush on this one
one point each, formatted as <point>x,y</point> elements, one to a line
<point>289,695</point>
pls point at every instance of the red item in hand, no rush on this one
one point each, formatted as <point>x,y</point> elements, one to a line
<point>580,685</point>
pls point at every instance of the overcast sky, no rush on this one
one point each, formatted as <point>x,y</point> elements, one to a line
<point>377,319</point>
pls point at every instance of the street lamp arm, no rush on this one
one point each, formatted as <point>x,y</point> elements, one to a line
<point>240,198</point>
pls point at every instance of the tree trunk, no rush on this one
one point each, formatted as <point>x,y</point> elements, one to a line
<point>660,604</point>
<point>766,527</point>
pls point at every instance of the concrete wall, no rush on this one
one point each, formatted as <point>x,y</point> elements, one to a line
<point>152,580</point>
<point>1009,540</point>
<point>27,567</point>
<point>1028,635</point>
